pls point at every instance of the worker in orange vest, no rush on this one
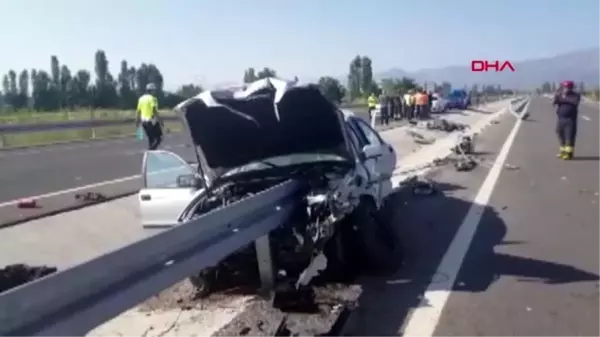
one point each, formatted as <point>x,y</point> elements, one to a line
<point>422,102</point>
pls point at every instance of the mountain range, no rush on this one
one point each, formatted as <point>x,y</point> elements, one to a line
<point>578,66</point>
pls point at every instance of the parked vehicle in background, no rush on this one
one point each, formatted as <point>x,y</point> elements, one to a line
<point>438,104</point>
<point>458,99</point>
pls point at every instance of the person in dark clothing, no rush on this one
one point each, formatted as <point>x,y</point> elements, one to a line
<point>392,104</point>
<point>430,99</point>
<point>567,105</point>
<point>385,109</point>
<point>398,99</point>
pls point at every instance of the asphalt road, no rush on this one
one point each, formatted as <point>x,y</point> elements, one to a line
<point>532,265</point>
<point>46,169</point>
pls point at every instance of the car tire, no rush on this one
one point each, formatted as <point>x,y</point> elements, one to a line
<point>377,246</point>
<point>203,282</point>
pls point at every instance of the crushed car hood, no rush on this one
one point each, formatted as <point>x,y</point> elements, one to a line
<point>270,118</point>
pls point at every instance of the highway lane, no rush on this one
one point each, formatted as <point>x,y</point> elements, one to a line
<point>531,267</point>
<point>40,170</point>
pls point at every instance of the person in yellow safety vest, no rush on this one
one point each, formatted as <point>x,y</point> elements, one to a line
<point>372,104</point>
<point>409,105</point>
<point>147,116</point>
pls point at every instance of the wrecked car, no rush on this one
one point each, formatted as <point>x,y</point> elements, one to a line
<point>246,141</point>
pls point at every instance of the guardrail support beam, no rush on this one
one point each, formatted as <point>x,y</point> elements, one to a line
<point>264,257</point>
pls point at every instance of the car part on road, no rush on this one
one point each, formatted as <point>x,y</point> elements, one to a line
<point>442,124</point>
<point>423,188</point>
<point>465,164</point>
<point>90,197</point>
<point>465,146</point>
<point>27,203</point>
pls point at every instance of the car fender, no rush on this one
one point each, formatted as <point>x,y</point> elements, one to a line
<point>368,188</point>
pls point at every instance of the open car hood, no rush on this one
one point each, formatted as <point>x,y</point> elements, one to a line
<point>269,118</point>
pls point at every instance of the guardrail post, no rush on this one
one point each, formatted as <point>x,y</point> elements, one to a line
<point>93,128</point>
<point>265,262</point>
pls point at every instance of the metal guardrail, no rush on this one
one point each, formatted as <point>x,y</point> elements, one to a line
<point>76,300</point>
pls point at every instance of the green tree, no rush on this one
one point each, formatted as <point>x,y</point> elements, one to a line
<point>249,75</point>
<point>332,89</point>
<point>189,90</point>
<point>23,97</point>
<point>366,75</point>
<point>266,72</point>
<point>126,93</point>
<point>354,77</point>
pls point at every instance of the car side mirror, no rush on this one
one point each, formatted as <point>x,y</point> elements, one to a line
<point>372,151</point>
<point>189,181</point>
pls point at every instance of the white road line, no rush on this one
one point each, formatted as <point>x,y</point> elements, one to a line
<point>80,188</point>
<point>586,118</point>
<point>70,190</point>
<point>425,318</point>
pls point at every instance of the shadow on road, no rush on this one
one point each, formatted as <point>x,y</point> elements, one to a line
<point>586,158</point>
<point>427,226</point>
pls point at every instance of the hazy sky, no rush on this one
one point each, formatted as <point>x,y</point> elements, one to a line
<point>210,42</point>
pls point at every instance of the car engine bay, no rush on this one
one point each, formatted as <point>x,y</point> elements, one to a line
<point>297,246</point>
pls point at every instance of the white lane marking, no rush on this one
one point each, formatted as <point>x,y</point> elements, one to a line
<point>71,190</point>
<point>425,318</point>
<point>586,118</point>
<point>80,188</point>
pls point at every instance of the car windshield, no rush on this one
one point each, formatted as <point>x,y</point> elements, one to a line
<point>283,161</point>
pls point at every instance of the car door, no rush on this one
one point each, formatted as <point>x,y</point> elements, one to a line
<point>167,188</point>
<point>384,164</point>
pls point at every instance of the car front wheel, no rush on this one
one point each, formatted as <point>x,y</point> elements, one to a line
<point>377,246</point>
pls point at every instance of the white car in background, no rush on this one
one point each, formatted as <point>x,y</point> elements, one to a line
<point>438,104</point>
<point>249,140</point>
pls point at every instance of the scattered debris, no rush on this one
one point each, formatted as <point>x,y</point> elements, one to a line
<point>465,146</point>
<point>27,203</point>
<point>282,329</point>
<point>420,186</point>
<point>90,197</point>
<point>444,125</point>
<point>15,275</point>
<point>511,167</point>
<point>465,164</point>
<point>288,298</point>
<point>420,139</point>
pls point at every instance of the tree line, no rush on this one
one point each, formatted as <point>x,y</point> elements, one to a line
<point>63,88</point>
<point>361,84</point>
<point>548,87</point>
